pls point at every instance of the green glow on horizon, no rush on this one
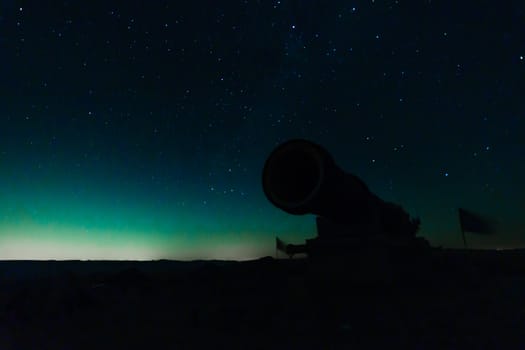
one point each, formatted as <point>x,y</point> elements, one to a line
<point>127,225</point>
<point>67,243</point>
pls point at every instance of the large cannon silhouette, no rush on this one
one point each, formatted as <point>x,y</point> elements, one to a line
<point>301,177</point>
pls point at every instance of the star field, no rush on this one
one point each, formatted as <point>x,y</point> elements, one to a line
<point>138,130</point>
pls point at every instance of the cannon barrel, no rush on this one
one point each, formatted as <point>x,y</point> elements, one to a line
<point>301,177</point>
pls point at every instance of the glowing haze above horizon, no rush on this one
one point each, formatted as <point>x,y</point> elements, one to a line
<point>139,131</point>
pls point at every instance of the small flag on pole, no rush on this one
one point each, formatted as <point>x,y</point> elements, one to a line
<point>280,245</point>
<point>475,223</point>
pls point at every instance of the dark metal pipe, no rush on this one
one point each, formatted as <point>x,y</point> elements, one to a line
<point>301,177</point>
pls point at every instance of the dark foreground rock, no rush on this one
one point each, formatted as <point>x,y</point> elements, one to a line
<point>448,303</point>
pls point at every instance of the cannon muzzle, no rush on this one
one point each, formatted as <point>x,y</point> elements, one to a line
<point>301,177</point>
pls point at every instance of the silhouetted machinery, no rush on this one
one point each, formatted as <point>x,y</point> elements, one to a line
<point>301,177</point>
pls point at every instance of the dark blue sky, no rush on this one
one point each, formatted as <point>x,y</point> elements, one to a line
<point>138,129</point>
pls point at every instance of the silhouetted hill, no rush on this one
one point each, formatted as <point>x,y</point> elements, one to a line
<point>453,299</point>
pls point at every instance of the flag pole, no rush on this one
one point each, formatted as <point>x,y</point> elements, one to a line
<point>464,239</point>
<point>461,226</point>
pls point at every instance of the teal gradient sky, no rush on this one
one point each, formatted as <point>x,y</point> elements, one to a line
<point>87,221</point>
<point>139,131</point>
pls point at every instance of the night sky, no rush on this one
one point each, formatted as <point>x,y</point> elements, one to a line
<point>139,129</point>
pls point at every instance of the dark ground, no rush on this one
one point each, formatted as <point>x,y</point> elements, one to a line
<point>446,301</point>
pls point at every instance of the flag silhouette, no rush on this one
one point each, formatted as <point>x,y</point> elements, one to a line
<point>280,245</point>
<point>475,223</point>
